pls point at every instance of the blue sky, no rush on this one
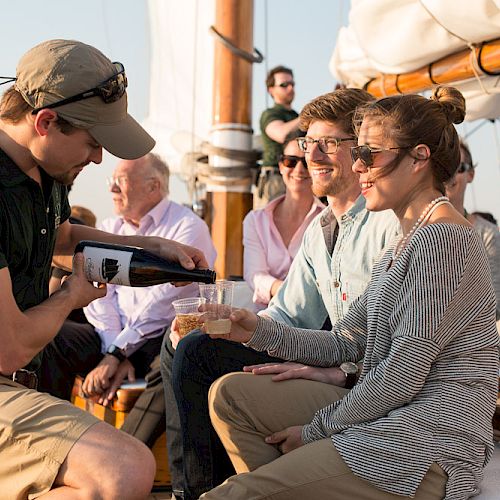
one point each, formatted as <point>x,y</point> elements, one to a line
<point>299,34</point>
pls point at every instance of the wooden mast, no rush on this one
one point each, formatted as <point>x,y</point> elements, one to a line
<point>229,195</point>
<point>453,68</point>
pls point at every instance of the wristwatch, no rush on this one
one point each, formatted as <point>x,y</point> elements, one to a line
<point>117,353</point>
<point>350,370</point>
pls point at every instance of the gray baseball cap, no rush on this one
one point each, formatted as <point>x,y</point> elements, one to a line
<point>87,90</point>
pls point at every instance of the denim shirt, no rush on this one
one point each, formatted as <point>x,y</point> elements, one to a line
<point>324,281</point>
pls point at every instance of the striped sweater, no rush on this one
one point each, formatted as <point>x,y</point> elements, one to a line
<point>426,329</point>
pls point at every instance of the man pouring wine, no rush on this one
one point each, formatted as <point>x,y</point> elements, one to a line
<point>67,102</point>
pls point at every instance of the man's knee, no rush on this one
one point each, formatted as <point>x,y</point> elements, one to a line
<point>135,475</point>
<point>225,389</point>
<point>109,464</point>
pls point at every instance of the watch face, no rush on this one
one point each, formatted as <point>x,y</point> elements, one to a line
<point>349,367</point>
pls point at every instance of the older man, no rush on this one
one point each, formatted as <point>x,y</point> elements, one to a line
<point>330,271</point>
<point>127,325</point>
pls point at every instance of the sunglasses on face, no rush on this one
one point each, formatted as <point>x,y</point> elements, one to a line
<point>284,85</point>
<point>326,145</point>
<point>109,91</point>
<point>464,167</point>
<point>365,153</point>
<point>290,161</point>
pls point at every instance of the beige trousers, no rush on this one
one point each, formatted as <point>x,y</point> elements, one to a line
<point>37,431</point>
<point>245,408</point>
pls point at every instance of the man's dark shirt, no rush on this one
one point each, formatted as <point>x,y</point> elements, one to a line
<point>273,149</point>
<point>29,218</point>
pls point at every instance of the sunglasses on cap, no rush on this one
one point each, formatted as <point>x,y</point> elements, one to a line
<point>284,85</point>
<point>464,167</point>
<point>365,153</point>
<point>110,90</point>
<point>290,161</point>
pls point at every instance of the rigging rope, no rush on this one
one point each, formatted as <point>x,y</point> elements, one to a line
<point>495,134</point>
<point>256,57</point>
<point>475,55</point>
<point>266,46</point>
<point>191,177</point>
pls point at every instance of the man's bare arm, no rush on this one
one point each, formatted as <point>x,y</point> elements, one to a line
<point>68,235</point>
<point>277,130</point>
<point>25,333</point>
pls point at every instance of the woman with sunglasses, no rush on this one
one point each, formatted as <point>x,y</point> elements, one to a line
<point>418,421</point>
<point>272,235</point>
<point>488,232</point>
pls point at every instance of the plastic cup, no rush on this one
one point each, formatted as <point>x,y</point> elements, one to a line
<point>187,314</point>
<point>220,297</point>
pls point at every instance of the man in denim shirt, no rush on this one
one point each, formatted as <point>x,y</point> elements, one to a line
<point>331,269</point>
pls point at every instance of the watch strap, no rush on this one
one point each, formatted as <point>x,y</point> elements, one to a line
<point>350,380</point>
<point>117,353</point>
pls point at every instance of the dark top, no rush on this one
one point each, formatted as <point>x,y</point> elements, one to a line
<point>29,218</point>
<point>273,149</point>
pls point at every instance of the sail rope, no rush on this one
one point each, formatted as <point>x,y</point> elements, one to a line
<point>497,142</point>
<point>191,176</point>
<point>475,55</point>
<point>266,46</point>
<point>256,57</point>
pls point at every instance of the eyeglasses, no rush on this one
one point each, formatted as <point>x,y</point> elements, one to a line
<point>109,91</point>
<point>121,181</point>
<point>118,182</point>
<point>284,85</point>
<point>326,145</point>
<point>464,167</point>
<point>365,153</point>
<point>290,161</point>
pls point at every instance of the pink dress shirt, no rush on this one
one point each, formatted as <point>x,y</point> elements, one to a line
<point>266,258</point>
<point>127,317</point>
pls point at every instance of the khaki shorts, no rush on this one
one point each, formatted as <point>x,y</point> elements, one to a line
<point>37,431</point>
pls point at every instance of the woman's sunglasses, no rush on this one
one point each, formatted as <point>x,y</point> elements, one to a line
<point>365,153</point>
<point>464,167</point>
<point>290,161</point>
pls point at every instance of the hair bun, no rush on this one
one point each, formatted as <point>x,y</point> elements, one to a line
<point>452,103</point>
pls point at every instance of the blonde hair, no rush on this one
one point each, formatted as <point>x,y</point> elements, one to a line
<point>412,119</point>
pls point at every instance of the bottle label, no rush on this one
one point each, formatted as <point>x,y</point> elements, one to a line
<point>106,265</point>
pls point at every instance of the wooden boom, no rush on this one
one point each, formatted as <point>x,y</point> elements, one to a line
<point>449,69</point>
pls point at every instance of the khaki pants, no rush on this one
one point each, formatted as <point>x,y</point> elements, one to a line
<point>37,431</point>
<point>245,408</point>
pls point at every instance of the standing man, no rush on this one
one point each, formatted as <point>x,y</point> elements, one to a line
<point>126,327</point>
<point>275,125</point>
<point>67,103</point>
<point>330,271</point>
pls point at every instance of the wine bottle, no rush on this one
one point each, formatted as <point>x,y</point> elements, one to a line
<point>134,266</point>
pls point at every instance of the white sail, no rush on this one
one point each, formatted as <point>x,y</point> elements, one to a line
<point>182,60</point>
<point>398,36</point>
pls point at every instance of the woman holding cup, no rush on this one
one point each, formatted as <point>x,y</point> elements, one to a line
<point>418,421</point>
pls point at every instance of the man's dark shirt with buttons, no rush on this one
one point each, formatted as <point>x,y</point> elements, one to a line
<point>29,218</point>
